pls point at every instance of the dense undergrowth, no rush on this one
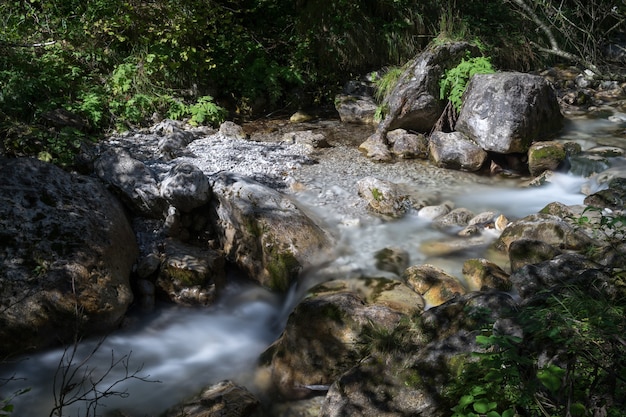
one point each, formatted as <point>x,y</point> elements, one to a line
<point>120,64</point>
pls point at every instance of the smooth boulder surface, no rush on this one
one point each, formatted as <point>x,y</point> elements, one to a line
<point>506,112</point>
<point>263,232</point>
<point>66,254</point>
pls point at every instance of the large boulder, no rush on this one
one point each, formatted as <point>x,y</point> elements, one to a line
<point>506,112</point>
<point>325,334</point>
<point>264,232</point>
<point>408,376</point>
<point>185,187</point>
<point>66,253</point>
<point>546,228</point>
<point>224,399</point>
<point>132,181</point>
<point>415,101</point>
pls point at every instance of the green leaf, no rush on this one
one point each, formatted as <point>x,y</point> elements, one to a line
<point>508,413</point>
<point>551,377</point>
<point>483,406</point>
<point>465,401</point>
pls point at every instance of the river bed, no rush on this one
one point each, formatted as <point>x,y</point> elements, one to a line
<point>183,349</point>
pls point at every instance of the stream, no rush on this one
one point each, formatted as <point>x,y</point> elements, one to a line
<point>175,351</point>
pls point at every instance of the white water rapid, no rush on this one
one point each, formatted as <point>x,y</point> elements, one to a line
<point>186,349</point>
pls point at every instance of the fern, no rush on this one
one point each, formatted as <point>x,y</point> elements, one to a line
<point>454,82</point>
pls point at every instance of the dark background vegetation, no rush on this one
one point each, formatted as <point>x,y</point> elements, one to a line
<point>115,63</point>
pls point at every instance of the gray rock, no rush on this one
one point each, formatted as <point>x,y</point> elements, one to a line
<point>458,217</point>
<point>456,151</point>
<point>190,275</point>
<point>173,141</point>
<point>264,232</point>
<point>408,145</point>
<point>383,197</point>
<point>356,109</point>
<point>231,130</point>
<point>545,156</point>
<point>533,278</point>
<point>132,181</point>
<point>323,335</point>
<point>224,399</point>
<point>306,137</point>
<point>506,112</point>
<point>524,252</point>
<point>415,101</point>
<point>66,253</point>
<point>546,228</point>
<point>185,187</point>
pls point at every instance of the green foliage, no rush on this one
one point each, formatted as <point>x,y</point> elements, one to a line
<point>6,408</point>
<point>569,362</point>
<point>205,111</point>
<point>384,86</point>
<point>454,82</point>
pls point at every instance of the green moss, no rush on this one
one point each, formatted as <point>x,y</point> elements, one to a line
<point>378,196</point>
<point>253,228</point>
<point>332,312</point>
<point>186,277</point>
<point>283,267</point>
<point>549,152</point>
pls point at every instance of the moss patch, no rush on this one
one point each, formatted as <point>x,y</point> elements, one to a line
<point>282,267</point>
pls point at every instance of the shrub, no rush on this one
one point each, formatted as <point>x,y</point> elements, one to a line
<point>569,361</point>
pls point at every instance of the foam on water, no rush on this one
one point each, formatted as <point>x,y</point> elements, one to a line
<point>185,349</point>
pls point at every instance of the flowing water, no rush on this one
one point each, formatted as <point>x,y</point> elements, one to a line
<point>180,350</point>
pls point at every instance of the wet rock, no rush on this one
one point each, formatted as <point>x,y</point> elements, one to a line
<point>323,337</point>
<point>185,187</point>
<point>408,145</point>
<point>263,232</point>
<point>383,197</point>
<point>606,151</point>
<point>586,165</point>
<point>469,240</point>
<point>545,156</point>
<point>506,112</point>
<point>66,254</point>
<point>132,181</point>
<point>356,109</point>
<point>148,265</point>
<point>546,228</point>
<point>394,260</point>
<point>190,275</point>
<point>528,252</point>
<point>456,151</point>
<point>307,407</point>
<point>224,399</point>
<point>434,212</point>
<point>481,274</point>
<point>432,283</point>
<point>612,198</point>
<point>531,279</point>
<point>146,294</point>
<point>458,217</point>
